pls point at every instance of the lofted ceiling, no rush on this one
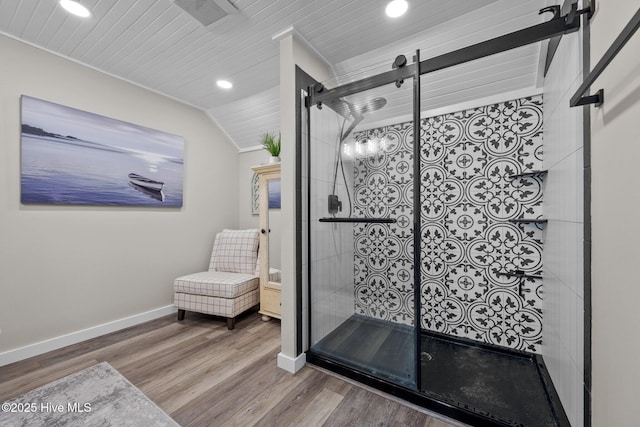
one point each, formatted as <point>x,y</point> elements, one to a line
<point>158,45</point>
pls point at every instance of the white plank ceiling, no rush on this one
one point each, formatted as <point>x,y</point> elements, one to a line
<point>156,44</point>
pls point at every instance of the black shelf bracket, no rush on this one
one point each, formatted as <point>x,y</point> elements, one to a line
<point>521,275</point>
<point>529,173</point>
<point>579,97</point>
<point>518,273</point>
<point>529,221</point>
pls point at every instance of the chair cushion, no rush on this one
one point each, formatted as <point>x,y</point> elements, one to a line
<point>216,284</point>
<point>235,251</point>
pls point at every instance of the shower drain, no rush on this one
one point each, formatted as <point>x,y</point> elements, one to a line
<point>426,356</point>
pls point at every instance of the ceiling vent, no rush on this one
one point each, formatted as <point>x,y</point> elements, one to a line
<point>207,11</point>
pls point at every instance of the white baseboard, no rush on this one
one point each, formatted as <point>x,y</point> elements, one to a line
<point>45,346</point>
<point>291,364</point>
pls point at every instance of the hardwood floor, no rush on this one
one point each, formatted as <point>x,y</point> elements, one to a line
<point>202,374</point>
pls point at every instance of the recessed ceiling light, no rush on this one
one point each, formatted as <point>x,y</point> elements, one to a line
<point>75,8</point>
<point>396,8</point>
<point>224,84</point>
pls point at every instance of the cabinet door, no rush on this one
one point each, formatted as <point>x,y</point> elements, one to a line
<point>270,301</point>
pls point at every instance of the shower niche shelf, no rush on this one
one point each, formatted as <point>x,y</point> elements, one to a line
<point>529,221</point>
<point>529,173</point>
<point>360,220</point>
<point>519,273</point>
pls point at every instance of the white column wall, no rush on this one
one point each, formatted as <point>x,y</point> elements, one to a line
<point>292,52</point>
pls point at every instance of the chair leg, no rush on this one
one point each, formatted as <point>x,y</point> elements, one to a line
<point>231,323</point>
<point>181,314</point>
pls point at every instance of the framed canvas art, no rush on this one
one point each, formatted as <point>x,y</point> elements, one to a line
<point>74,157</point>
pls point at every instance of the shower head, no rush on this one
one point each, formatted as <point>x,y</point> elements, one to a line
<point>357,112</point>
<point>347,109</point>
<point>370,105</point>
<point>340,106</point>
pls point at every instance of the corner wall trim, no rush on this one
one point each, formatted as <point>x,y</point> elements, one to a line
<point>45,346</point>
<point>291,30</point>
<point>291,364</point>
<point>211,117</point>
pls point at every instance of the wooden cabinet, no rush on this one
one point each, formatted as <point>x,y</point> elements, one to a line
<point>269,288</point>
<point>270,301</point>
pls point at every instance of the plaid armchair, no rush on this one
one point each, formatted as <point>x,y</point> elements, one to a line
<point>230,286</point>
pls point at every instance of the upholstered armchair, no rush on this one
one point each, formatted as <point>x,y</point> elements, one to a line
<point>230,286</point>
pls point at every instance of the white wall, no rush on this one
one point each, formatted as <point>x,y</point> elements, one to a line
<point>615,227</point>
<point>64,268</point>
<point>245,218</point>
<point>563,302</point>
<point>292,52</point>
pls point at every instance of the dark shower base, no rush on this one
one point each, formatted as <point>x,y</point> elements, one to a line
<point>475,383</point>
<point>384,349</point>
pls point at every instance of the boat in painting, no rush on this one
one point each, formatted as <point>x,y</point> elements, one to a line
<point>145,182</point>
<point>154,194</point>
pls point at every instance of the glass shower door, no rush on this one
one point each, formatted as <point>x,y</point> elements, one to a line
<point>361,233</point>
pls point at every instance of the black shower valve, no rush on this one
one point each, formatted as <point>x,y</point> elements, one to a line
<point>335,205</point>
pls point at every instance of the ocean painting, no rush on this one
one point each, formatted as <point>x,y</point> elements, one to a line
<point>74,157</point>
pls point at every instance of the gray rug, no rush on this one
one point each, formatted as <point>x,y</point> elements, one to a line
<point>96,396</point>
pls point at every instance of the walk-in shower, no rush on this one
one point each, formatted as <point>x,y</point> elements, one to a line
<point>425,236</point>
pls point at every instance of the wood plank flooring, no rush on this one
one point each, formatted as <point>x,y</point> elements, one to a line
<point>202,374</point>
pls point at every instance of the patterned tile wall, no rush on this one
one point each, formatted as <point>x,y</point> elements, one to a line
<point>467,199</point>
